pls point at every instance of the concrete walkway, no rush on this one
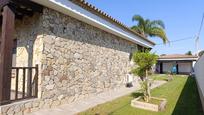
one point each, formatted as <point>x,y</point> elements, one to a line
<point>79,106</point>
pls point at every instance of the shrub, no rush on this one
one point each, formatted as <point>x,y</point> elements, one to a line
<point>144,62</point>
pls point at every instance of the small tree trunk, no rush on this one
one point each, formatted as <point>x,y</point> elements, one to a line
<point>148,87</point>
<point>148,90</point>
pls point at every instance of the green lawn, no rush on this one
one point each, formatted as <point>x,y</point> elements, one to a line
<point>164,76</point>
<point>181,94</point>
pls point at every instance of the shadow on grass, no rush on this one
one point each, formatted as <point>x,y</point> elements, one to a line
<point>189,101</point>
<point>136,94</point>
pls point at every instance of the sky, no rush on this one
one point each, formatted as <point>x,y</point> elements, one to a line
<point>182,19</point>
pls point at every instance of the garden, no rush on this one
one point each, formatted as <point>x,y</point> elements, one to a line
<point>178,96</point>
<point>181,95</point>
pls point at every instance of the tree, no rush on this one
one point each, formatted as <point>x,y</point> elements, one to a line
<point>144,61</point>
<point>188,53</point>
<point>146,27</point>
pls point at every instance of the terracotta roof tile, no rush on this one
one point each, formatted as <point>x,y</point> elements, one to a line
<point>176,56</point>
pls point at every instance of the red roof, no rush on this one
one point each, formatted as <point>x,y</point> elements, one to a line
<point>177,56</point>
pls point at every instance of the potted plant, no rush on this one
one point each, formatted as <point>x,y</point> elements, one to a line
<point>144,62</point>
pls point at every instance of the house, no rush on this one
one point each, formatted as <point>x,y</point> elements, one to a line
<point>183,63</point>
<point>62,51</point>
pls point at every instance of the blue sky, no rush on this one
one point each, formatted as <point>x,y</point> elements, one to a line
<point>182,19</point>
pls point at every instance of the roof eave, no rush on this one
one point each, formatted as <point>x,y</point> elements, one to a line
<point>75,11</point>
<point>104,15</point>
<point>177,59</point>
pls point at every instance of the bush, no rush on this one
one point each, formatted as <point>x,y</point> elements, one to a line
<point>144,62</point>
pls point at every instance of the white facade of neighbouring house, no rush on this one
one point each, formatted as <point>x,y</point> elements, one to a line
<point>183,63</point>
<point>184,67</point>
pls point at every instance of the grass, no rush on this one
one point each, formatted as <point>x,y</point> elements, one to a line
<point>159,77</point>
<point>164,76</point>
<point>181,94</point>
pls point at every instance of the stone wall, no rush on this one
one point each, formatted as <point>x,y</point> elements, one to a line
<point>80,60</point>
<point>28,35</point>
<point>76,60</point>
<point>29,44</point>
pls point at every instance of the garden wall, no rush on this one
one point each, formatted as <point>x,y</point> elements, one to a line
<point>199,72</point>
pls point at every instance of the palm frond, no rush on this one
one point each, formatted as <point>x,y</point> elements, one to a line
<point>137,29</point>
<point>139,19</point>
<point>156,23</point>
<point>158,32</point>
<point>150,28</point>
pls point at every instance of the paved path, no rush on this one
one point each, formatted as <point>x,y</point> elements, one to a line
<point>79,106</point>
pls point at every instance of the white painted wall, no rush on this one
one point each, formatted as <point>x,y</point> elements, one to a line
<point>199,73</point>
<point>167,66</point>
<point>185,67</point>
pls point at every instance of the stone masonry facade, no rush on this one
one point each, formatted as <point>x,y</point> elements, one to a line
<point>76,60</point>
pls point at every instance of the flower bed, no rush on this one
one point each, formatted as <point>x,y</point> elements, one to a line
<point>156,104</point>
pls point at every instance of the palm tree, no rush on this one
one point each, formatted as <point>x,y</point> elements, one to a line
<point>146,27</point>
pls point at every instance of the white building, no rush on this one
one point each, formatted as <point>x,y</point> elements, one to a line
<point>183,63</point>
